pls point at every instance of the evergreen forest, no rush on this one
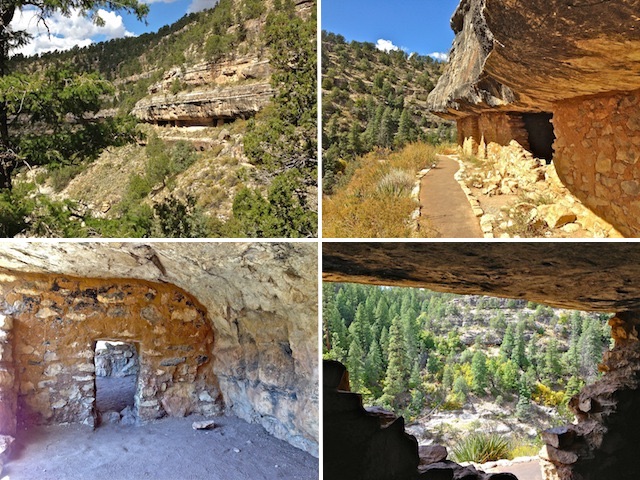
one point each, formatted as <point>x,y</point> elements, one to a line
<point>372,99</point>
<point>415,351</point>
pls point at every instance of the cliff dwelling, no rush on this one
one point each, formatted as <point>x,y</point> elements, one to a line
<point>515,67</point>
<point>131,354</point>
<point>597,277</point>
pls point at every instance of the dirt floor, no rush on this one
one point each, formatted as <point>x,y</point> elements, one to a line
<point>166,449</point>
<point>115,394</point>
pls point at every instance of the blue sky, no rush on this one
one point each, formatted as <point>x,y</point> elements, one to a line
<point>67,32</point>
<point>420,26</point>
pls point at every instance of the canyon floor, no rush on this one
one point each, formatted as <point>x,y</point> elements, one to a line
<point>161,450</point>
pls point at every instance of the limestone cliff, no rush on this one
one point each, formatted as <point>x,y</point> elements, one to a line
<point>206,107</point>
<point>260,301</point>
<point>210,93</point>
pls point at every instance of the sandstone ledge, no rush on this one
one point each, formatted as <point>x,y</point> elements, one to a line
<point>205,106</point>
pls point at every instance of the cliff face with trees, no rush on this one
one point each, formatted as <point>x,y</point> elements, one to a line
<point>254,177</point>
<point>413,350</point>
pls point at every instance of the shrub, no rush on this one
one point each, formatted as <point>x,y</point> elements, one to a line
<point>60,177</point>
<point>396,183</point>
<point>481,447</point>
<point>183,155</point>
<point>361,207</point>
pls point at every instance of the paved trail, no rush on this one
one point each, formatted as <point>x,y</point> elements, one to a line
<point>444,205</point>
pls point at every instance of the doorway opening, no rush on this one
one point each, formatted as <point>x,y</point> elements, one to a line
<point>117,367</point>
<point>541,135</point>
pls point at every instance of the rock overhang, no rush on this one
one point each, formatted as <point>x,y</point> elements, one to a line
<point>583,276</point>
<point>519,55</point>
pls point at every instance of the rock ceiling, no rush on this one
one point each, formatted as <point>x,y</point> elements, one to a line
<point>584,276</point>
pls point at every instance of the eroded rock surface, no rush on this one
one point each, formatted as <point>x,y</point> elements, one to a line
<point>260,301</point>
<point>206,107</point>
<point>583,276</point>
<point>526,55</point>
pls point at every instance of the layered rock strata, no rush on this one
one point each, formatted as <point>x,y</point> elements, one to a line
<point>258,301</point>
<point>517,55</point>
<point>205,107</point>
<point>576,62</point>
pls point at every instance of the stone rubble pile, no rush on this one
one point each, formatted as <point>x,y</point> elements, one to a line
<point>544,202</point>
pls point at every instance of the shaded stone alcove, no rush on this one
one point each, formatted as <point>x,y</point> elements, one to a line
<point>56,321</point>
<point>604,277</point>
<point>222,328</point>
<point>539,126</point>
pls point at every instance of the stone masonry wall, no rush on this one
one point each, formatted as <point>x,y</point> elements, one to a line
<point>261,301</point>
<point>500,128</point>
<point>56,322</point>
<point>596,153</point>
<point>603,443</point>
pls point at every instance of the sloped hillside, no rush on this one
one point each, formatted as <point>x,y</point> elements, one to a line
<point>225,151</point>
<point>372,98</point>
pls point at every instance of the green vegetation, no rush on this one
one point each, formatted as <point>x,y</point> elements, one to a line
<point>48,98</point>
<point>282,141</point>
<point>54,98</point>
<point>373,99</point>
<point>481,448</point>
<point>413,350</point>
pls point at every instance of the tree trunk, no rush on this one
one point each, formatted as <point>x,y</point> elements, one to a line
<point>8,159</point>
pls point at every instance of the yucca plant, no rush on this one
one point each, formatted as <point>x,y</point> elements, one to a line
<point>482,447</point>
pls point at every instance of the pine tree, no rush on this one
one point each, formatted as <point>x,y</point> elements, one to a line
<point>506,348</point>
<point>387,129</point>
<point>374,368</point>
<point>355,365</point>
<point>384,346</point>
<point>552,368</point>
<point>518,355</point>
<point>590,350</point>
<point>372,132</point>
<point>396,379</point>
<point>479,372</point>
<point>406,129</point>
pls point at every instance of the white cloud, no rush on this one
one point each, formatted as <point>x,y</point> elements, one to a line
<point>198,5</point>
<point>65,33</point>
<point>386,45</point>
<point>443,57</point>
